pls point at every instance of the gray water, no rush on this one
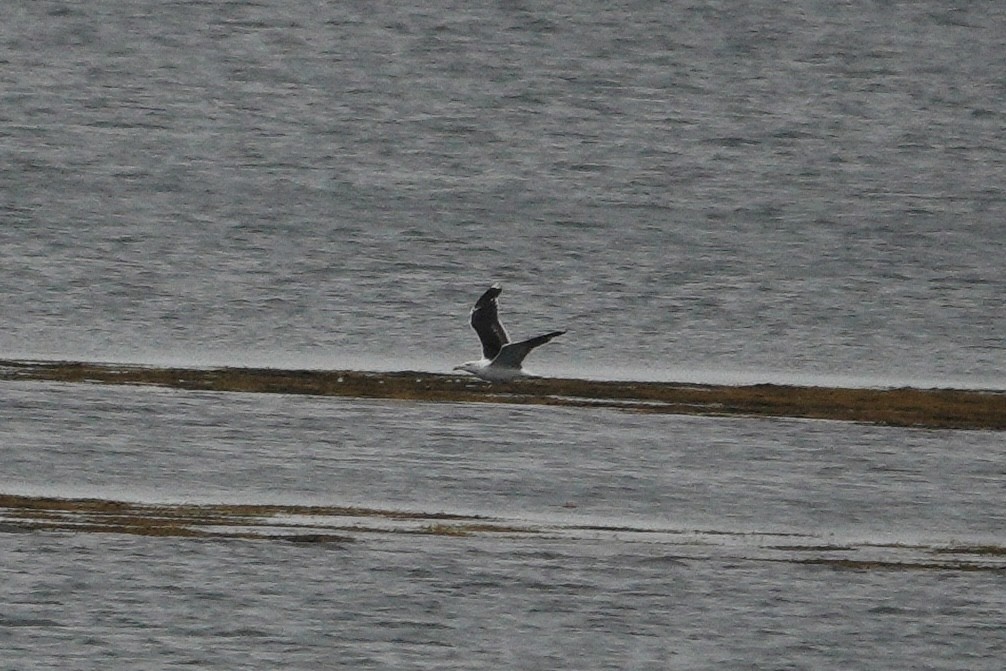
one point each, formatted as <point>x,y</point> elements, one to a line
<point>806,192</point>
<point>657,541</point>
<point>695,189</point>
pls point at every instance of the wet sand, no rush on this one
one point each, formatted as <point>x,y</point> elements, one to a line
<point>907,407</point>
<point>293,523</point>
<point>340,525</point>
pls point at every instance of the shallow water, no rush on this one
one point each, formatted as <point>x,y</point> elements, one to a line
<point>77,601</point>
<point>721,474</point>
<point>638,540</point>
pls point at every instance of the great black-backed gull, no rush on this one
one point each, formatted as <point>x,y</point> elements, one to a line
<point>501,359</point>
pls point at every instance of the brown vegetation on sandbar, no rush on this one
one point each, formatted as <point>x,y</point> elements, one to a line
<point>220,520</point>
<point>930,408</point>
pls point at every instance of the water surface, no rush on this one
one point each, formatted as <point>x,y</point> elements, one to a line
<point>697,191</point>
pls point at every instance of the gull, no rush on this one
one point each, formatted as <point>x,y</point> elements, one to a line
<point>501,359</point>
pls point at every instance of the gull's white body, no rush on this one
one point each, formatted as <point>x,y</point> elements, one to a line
<point>501,359</point>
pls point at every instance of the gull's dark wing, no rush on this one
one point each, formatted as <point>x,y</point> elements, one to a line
<point>513,354</point>
<point>486,323</point>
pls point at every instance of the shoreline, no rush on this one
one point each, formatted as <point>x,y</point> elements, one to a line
<point>903,407</point>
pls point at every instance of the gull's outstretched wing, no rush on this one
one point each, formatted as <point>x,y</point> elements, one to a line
<point>512,355</point>
<point>486,323</point>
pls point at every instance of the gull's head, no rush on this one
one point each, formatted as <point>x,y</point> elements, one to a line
<point>469,367</point>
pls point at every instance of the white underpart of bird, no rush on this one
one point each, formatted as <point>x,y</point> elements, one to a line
<point>501,359</point>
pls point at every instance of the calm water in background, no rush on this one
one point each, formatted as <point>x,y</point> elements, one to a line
<point>805,191</point>
<point>796,189</point>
